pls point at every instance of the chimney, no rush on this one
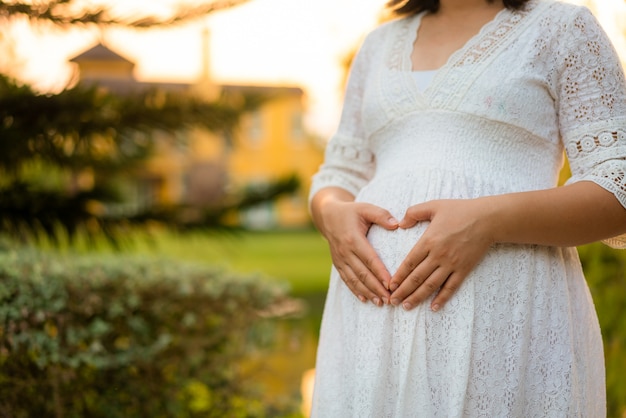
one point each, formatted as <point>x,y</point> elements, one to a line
<point>206,87</point>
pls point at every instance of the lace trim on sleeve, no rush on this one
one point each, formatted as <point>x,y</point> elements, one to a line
<point>588,144</point>
<point>600,157</point>
<point>617,242</point>
<point>348,164</point>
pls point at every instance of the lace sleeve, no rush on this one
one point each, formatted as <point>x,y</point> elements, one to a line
<point>592,109</point>
<point>348,161</point>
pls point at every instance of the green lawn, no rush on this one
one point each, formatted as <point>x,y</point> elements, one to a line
<point>300,258</point>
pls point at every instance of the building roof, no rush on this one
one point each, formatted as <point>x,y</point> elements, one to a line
<point>99,53</point>
<point>134,86</point>
<point>263,90</point>
<point>102,53</point>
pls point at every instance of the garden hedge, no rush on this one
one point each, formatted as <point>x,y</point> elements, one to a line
<point>118,336</point>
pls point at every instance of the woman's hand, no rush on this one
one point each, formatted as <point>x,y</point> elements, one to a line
<point>457,238</point>
<point>345,224</point>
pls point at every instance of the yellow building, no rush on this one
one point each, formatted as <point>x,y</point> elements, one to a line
<point>270,143</point>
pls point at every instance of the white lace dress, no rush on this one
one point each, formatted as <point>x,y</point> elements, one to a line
<point>520,338</point>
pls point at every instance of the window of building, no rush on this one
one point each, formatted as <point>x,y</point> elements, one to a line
<point>255,130</point>
<point>297,127</point>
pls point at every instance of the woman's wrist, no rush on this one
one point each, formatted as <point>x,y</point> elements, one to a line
<point>492,218</point>
<point>489,218</point>
<point>324,203</point>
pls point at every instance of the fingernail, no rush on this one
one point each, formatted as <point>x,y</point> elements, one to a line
<point>407,306</point>
<point>376,301</point>
<point>362,298</point>
<point>435,307</point>
<point>395,302</point>
<point>393,287</point>
<point>393,220</point>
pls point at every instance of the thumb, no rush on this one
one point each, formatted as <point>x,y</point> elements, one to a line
<point>379,216</point>
<point>416,213</point>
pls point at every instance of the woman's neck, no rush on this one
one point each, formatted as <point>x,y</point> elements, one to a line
<point>442,33</point>
<point>463,7</point>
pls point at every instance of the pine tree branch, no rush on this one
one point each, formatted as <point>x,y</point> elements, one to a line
<point>86,126</point>
<point>69,12</point>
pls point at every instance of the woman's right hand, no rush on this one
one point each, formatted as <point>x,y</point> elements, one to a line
<point>345,223</point>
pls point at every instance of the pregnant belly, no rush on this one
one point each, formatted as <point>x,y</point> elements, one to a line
<point>393,246</point>
<point>397,191</point>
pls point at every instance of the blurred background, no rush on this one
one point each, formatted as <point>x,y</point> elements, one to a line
<point>156,254</point>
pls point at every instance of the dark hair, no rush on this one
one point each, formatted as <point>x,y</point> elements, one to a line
<point>411,7</point>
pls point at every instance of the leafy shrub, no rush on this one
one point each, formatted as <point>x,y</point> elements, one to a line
<point>115,336</point>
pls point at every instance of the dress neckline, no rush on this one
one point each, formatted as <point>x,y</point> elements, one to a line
<point>451,58</point>
<point>452,80</point>
<point>489,26</point>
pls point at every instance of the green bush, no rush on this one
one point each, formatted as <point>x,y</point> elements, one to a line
<point>605,270</point>
<point>115,336</point>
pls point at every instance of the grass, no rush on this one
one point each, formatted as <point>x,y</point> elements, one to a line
<point>300,258</point>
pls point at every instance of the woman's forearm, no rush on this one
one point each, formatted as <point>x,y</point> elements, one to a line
<point>571,215</point>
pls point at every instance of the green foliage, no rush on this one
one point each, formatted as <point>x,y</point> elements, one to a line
<point>85,126</point>
<point>605,270</point>
<point>105,336</point>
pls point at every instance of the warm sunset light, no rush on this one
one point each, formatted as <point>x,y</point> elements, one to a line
<point>198,144</point>
<point>271,42</point>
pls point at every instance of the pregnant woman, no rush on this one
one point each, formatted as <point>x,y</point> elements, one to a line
<point>456,288</point>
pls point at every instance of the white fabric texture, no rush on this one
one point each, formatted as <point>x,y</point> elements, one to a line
<point>520,338</point>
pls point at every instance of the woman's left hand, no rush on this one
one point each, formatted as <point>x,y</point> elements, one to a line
<point>457,238</point>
